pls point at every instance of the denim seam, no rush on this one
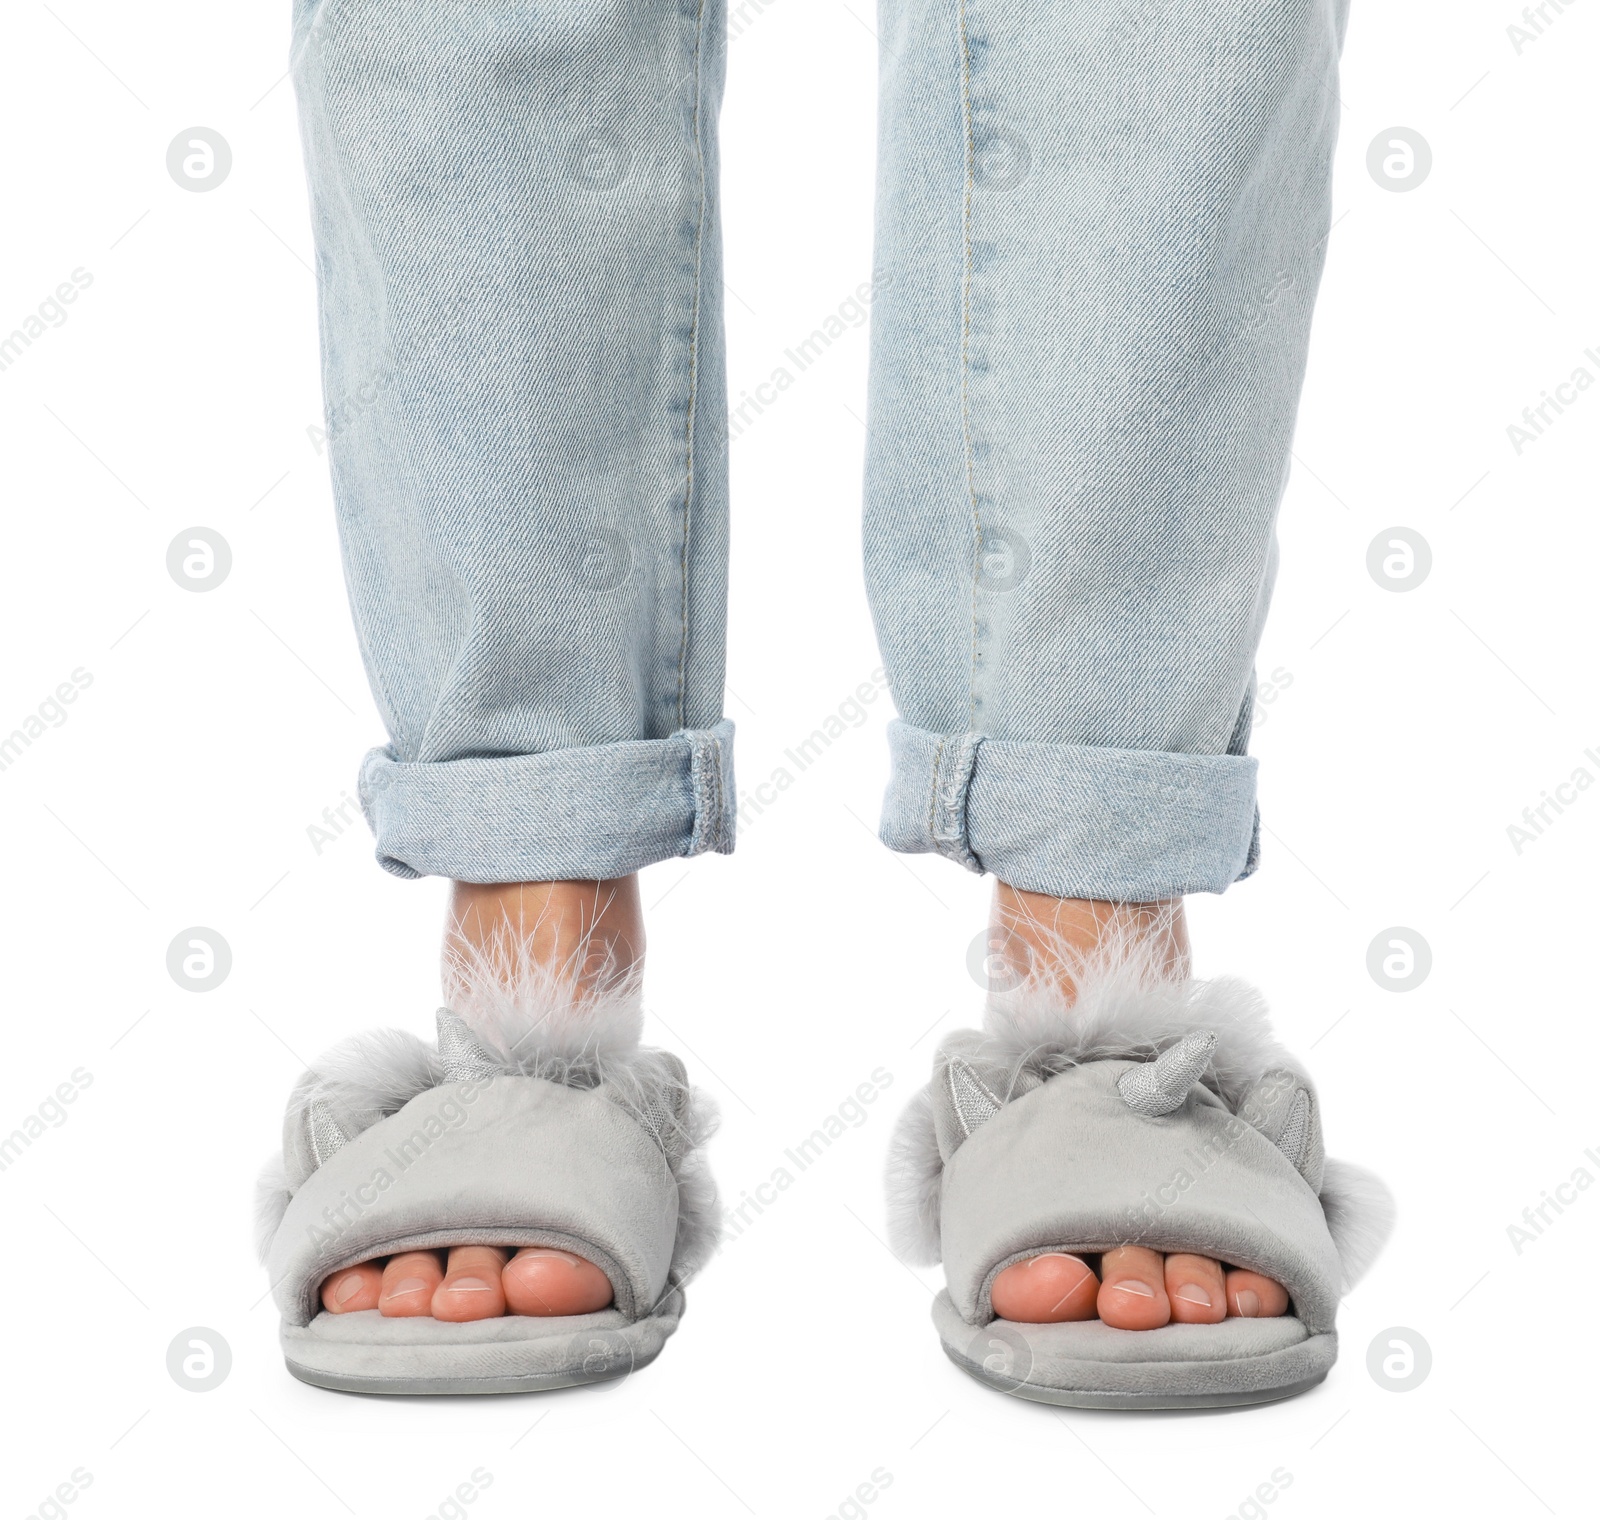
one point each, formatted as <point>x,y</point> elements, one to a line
<point>714,833</point>
<point>947,802</point>
<point>694,368</point>
<point>697,784</point>
<point>706,777</point>
<point>969,158</point>
<point>933,790</point>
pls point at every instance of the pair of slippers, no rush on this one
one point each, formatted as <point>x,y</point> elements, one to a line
<point>1147,1111</point>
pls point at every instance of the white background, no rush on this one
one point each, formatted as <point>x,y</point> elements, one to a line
<point>1415,728</point>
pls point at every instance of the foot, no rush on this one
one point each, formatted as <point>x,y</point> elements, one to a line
<point>590,933</point>
<point>1137,1289</point>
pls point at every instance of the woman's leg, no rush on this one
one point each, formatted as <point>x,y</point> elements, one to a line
<point>1101,231</point>
<point>519,275</point>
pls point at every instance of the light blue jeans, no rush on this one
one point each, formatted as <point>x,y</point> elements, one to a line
<point>1100,233</point>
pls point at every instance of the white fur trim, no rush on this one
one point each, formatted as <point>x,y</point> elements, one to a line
<point>272,1198</point>
<point>914,1182</point>
<point>530,1015</point>
<point>699,1205</point>
<point>1361,1213</point>
<point>1128,1006</point>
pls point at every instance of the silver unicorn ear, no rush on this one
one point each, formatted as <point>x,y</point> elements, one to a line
<point>1160,1086</point>
<point>660,1102</point>
<point>1283,1106</point>
<point>324,1132</point>
<point>969,1088</point>
<point>970,1099</point>
<point>461,1054</point>
<point>1296,1136</point>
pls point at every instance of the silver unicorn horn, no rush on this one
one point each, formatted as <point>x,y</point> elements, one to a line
<point>461,1053</point>
<point>1160,1086</point>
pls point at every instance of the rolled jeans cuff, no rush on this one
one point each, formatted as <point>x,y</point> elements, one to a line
<point>590,813</point>
<point>1073,820</point>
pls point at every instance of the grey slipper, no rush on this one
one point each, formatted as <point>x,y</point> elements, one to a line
<point>531,1121</point>
<point>1148,1112</point>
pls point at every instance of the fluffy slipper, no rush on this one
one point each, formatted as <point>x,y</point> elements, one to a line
<point>532,1120</point>
<point>1147,1111</point>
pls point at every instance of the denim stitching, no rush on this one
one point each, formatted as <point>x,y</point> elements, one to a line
<point>694,370</point>
<point>947,813</point>
<point>723,833</point>
<point>723,836</point>
<point>933,792</point>
<point>947,831</point>
<point>966,341</point>
<point>714,792</point>
<point>697,790</point>
<point>708,832</point>
<point>697,776</point>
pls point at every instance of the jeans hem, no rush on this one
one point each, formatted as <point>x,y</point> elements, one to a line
<point>1073,820</point>
<point>590,813</point>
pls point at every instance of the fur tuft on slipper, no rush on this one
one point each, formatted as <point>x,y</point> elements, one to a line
<point>530,1015</point>
<point>1129,1006</point>
<point>915,1178</point>
<point>1361,1213</point>
<point>272,1198</point>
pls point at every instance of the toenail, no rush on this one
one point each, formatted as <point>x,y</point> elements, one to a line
<point>348,1288</point>
<point>1193,1293</point>
<point>1248,1303</point>
<point>467,1285</point>
<point>1133,1285</point>
<point>410,1285</point>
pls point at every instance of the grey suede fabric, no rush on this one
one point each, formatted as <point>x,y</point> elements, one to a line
<point>368,1353</point>
<point>1094,1364</point>
<point>510,1160</point>
<point>1069,1166</point>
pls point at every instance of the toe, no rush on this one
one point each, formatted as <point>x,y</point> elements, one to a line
<point>409,1283</point>
<point>1045,1290</point>
<point>539,1280</point>
<point>354,1288</point>
<point>1252,1296</point>
<point>471,1287</point>
<point>1133,1290</point>
<point>1195,1289</point>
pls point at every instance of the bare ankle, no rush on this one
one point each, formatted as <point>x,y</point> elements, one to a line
<point>1035,933</point>
<point>588,932</point>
